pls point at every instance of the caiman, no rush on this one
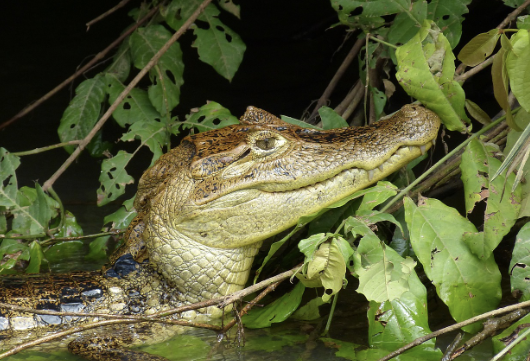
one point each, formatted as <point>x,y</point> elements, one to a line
<point>204,209</point>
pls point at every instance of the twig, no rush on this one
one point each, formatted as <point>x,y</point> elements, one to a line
<point>340,72</point>
<point>124,94</point>
<point>476,69</point>
<point>121,4</point>
<point>455,327</point>
<point>513,15</point>
<point>87,66</point>
<point>44,149</point>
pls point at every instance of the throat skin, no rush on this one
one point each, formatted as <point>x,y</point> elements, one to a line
<point>208,204</point>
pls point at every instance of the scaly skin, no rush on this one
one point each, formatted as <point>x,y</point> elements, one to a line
<point>204,209</point>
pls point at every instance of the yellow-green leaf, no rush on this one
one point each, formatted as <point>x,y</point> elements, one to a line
<point>479,48</point>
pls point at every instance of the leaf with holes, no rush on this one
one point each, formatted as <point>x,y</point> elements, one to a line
<point>468,285</point>
<point>426,70</point>
<point>166,75</point>
<point>447,14</point>
<point>83,111</point>
<point>368,13</point>
<point>520,264</point>
<point>9,187</point>
<point>329,266</point>
<point>218,45</point>
<point>121,62</point>
<point>123,216</point>
<point>210,116</point>
<point>134,108</point>
<point>152,134</point>
<point>407,22</point>
<point>114,177</point>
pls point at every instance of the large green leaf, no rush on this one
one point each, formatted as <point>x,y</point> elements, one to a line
<point>166,75</point>
<point>426,70</point>
<point>502,208</point>
<point>217,44</point>
<point>518,66</point>
<point>153,134</point>
<point>114,177</point>
<point>468,285</point>
<point>121,219</point>
<point>277,311</point>
<point>407,22</point>
<point>368,13</point>
<point>134,108</point>
<point>330,119</point>
<point>520,263</point>
<point>395,323</point>
<point>32,213</point>
<point>83,111</point>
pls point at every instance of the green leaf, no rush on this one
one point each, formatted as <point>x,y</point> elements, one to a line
<point>502,207</point>
<point>123,216</point>
<point>114,177</point>
<point>309,311</point>
<point>330,119</point>
<point>210,116</point>
<point>518,67</point>
<point>8,178</point>
<point>121,62</point>
<point>477,113</point>
<point>228,5</point>
<point>10,252</point>
<point>83,111</point>
<point>33,213</point>
<point>309,246</point>
<point>479,48</point>
<point>64,250</point>
<point>447,14</point>
<point>98,249</point>
<point>520,351</point>
<point>136,107</point>
<point>153,134</point>
<point>520,264</point>
<point>277,311</point>
<point>468,285</point>
<point>70,227</point>
<point>166,75</point>
<point>407,22</point>
<point>426,70</point>
<point>36,258</point>
<point>364,12</point>
<point>383,274</point>
<point>299,123</point>
<point>379,101</point>
<point>523,22</point>
<point>393,324</point>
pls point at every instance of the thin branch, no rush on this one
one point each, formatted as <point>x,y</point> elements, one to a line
<point>45,149</point>
<point>87,66</point>
<point>476,69</point>
<point>121,4</point>
<point>338,75</point>
<point>513,15</point>
<point>455,327</point>
<point>124,94</point>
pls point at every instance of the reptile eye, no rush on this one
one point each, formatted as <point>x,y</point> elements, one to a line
<point>266,143</point>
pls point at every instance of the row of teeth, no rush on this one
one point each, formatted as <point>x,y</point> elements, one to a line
<point>411,148</point>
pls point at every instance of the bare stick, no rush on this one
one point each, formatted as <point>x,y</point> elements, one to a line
<point>513,15</point>
<point>87,66</point>
<point>340,72</point>
<point>121,4</point>
<point>124,94</point>
<point>455,327</point>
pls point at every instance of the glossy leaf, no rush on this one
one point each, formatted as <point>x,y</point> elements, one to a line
<point>277,311</point>
<point>479,48</point>
<point>393,324</point>
<point>70,227</point>
<point>330,119</point>
<point>426,70</point>
<point>468,285</point>
<point>166,75</point>
<point>114,177</point>
<point>210,116</point>
<point>520,264</point>
<point>135,107</point>
<point>83,111</point>
<point>518,67</point>
<point>64,250</point>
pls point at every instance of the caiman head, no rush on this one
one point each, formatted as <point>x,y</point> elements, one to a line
<point>208,204</point>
